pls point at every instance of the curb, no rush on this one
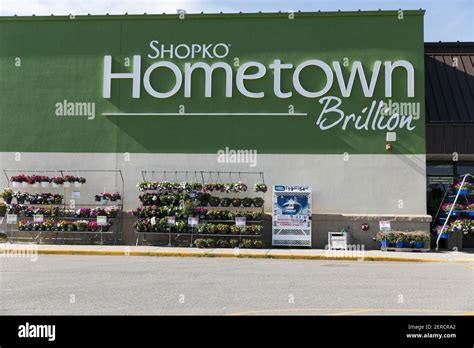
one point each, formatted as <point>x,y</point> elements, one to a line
<point>228,255</point>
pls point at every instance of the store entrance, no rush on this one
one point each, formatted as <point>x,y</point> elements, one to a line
<point>439,176</point>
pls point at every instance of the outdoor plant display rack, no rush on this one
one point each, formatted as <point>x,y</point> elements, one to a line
<point>38,236</point>
<point>454,197</point>
<point>202,177</point>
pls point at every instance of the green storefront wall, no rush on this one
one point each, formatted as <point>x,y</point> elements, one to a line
<point>46,60</point>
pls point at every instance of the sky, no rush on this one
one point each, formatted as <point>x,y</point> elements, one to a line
<point>445,20</point>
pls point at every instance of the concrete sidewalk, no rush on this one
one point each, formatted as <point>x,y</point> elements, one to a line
<point>300,254</point>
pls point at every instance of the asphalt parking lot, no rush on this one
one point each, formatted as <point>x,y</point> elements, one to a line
<point>100,285</point>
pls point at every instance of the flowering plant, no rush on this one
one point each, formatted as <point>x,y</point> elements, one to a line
<point>260,187</point>
<point>59,180</point>
<point>74,179</point>
<point>200,211</point>
<point>19,178</point>
<point>42,178</point>
<point>108,196</point>
<point>7,194</point>
<point>25,225</point>
<point>62,225</point>
<point>465,186</point>
<point>69,178</point>
<point>81,225</point>
<point>465,226</point>
<point>83,212</point>
<point>14,209</point>
<point>439,227</point>
<point>147,185</point>
<point>92,226</point>
<point>21,197</point>
<point>447,206</point>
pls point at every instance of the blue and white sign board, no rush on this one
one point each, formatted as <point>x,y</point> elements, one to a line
<point>291,225</point>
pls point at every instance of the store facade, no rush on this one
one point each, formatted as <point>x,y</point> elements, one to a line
<point>335,101</point>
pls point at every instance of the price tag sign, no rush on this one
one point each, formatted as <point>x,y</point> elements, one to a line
<point>193,221</point>
<point>12,219</point>
<point>240,221</point>
<point>38,218</point>
<point>384,225</point>
<point>171,220</point>
<point>102,220</point>
<point>75,195</point>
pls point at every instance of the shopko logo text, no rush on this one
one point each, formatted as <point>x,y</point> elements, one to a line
<point>248,71</point>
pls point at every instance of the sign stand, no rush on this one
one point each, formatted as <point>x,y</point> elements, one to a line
<point>291,223</point>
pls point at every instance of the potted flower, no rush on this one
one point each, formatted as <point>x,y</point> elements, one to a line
<point>214,201</point>
<point>234,243</point>
<point>3,209</point>
<point>234,229</point>
<point>211,229</point>
<point>464,189</point>
<point>62,225</point>
<point>79,181</point>
<point>258,244</point>
<point>81,225</point>
<point>44,180</point>
<point>247,243</point>
<point>211,215</point>
<point>446,232</point>
<point>68,180</point>
<point>258,202</point>
<point>260,187</point>
<point>116,197</point>
<point>236,202</point>
<point>419,239</point>
<point>240,187</point>
<point>385,238</point>
<point>57,199</point>
<point>17,180</point>
<point>83,212</point>
<point>247,202</point>
<point>202,228</point>
<point>34,180</point>
<point>222,229</point>
<point>56,181</point>
<point>21,197</point>
<point>223,243</point>
<point>181,226</point>
<point>462,225</point>
<point>399,239</point>
<point>225,202</point>
<point>22,225</point>
<point>48,225</point>
<point>92,226</point>
<point>200,243</point>
<point>7,195</point>
<point>201,212</point>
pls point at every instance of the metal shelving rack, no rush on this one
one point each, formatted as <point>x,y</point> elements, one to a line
<point>202,177</point>
<point>36,235</point>
<point>445,218</point>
